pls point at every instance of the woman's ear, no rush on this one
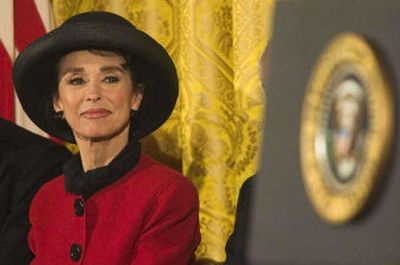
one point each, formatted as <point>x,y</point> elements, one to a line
<point>137,96</point>
<point>57,105</point>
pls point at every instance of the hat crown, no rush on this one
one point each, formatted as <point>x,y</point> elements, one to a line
<point>97,17</point>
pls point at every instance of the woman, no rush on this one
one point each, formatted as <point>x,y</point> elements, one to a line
<point>98,81</point>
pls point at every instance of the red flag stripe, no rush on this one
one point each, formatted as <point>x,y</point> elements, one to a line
<point>6,85</point>
<point>28,24</point>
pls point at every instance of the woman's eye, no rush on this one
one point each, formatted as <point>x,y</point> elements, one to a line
<point>76,81</point>
<point>111,79</point>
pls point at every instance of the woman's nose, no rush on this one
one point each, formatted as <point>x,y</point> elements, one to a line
<point>93,91</point>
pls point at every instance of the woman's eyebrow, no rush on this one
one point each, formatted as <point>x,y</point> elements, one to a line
<point>119,68</point>
<point>72,70</point>
<point>105,68</point>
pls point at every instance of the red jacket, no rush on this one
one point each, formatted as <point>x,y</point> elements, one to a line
<point>149,216</point>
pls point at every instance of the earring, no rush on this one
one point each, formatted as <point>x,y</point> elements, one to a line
<point>59,116</point>
<point>135,117</point>
<point>134,113</point>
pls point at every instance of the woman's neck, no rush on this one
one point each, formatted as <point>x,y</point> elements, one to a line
<point>99,153</point>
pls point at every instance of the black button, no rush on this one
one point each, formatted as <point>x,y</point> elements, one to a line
<point>75,252</point>
<point>78,206</point>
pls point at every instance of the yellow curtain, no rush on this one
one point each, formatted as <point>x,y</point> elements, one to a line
<point>213,136</point>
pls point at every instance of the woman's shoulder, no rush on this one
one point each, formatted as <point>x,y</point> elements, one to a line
<point>149,165</point>
<point>167,185</point>
<point>158,174</point>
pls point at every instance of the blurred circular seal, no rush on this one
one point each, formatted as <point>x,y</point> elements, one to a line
<point>346,128</point>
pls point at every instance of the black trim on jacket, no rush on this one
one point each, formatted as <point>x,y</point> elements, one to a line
<point>87,183</point>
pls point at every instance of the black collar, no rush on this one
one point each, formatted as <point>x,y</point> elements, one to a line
<point>87,183</point>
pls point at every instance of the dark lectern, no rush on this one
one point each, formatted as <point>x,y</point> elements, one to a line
<point>286,228</point>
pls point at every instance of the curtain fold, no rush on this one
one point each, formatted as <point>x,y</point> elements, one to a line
<point>213,136</point>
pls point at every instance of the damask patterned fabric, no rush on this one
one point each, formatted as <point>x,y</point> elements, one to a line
<point>214,134</point>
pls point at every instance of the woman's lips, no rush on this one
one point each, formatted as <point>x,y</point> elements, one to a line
<point>95,113</point>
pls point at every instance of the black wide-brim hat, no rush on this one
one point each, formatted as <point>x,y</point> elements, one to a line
<point>35,70</point>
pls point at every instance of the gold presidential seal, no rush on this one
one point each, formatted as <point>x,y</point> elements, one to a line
<point>346,128</point>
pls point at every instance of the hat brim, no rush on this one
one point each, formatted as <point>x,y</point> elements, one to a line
<point>35,76</point>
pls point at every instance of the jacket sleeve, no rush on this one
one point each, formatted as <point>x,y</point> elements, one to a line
<point>31,168</point>
<point>171,233</point>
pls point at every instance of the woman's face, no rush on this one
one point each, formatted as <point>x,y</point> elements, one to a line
<point>95,92</point>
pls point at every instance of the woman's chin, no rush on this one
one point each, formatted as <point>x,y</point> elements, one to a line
<point>99,135</point>
<point>94,136</point>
